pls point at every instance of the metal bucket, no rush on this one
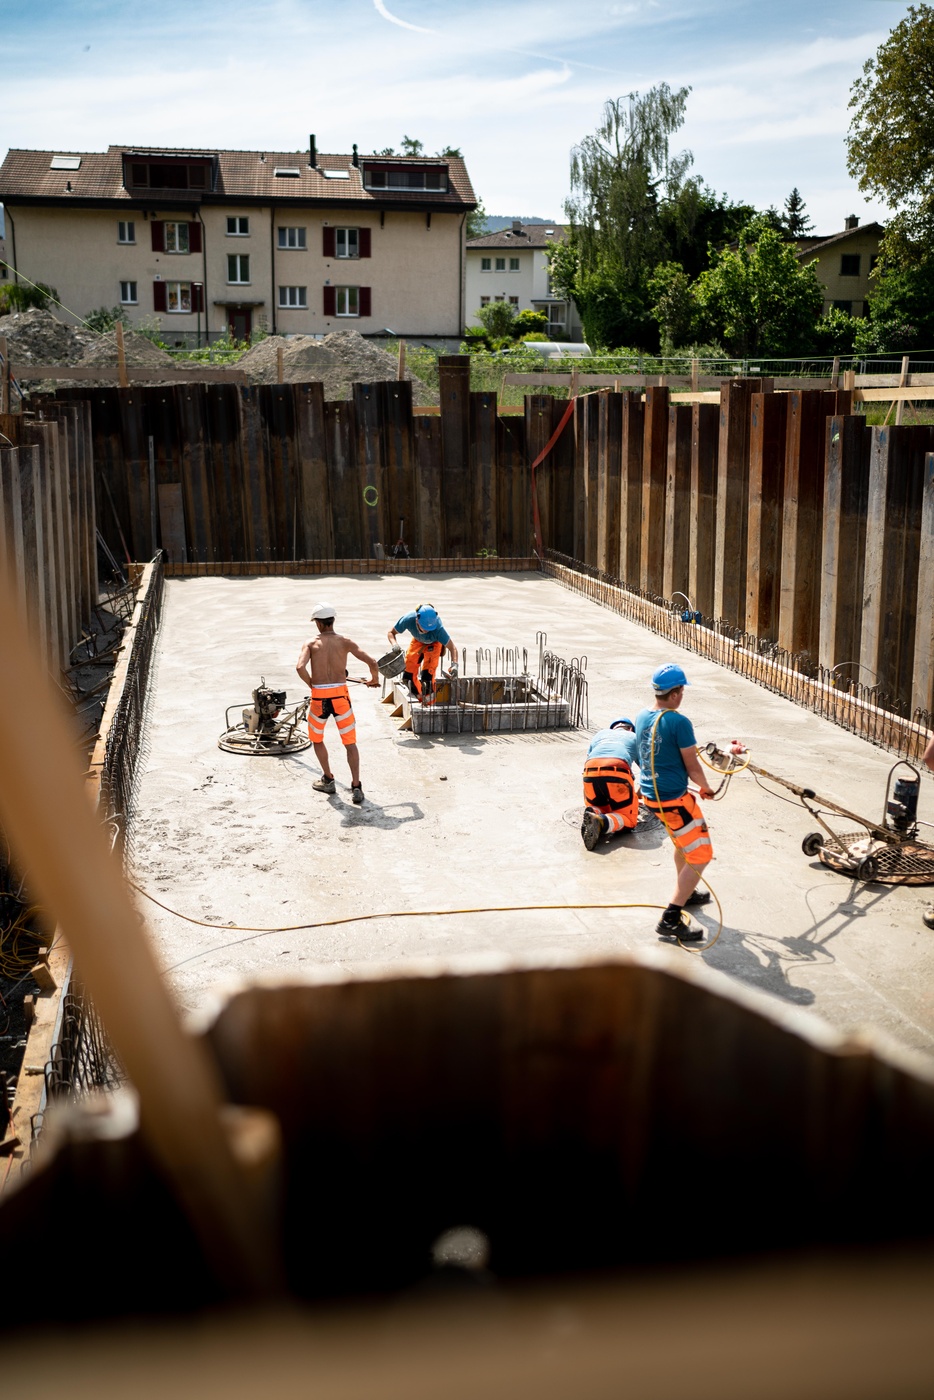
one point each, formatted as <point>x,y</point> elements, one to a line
<point>392,664</point>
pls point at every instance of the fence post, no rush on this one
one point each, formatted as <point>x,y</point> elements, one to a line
<point>732,502</point>
<point>764,530</point>
<point>676,569</point>
<point>454,384</point>
<point>922,686</point>
<point>705,419</point>
<point>654,474</point>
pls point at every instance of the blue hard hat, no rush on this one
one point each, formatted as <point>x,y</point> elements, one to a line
<point>617,722</point>
<point>427,619</point>
<point>668,678</point>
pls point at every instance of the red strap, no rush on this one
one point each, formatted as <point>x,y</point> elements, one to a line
<point>536,517</point>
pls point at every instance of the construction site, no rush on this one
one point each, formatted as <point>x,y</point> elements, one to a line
<point>408,1087</point>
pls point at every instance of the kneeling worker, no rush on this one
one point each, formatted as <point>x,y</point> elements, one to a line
<point>667,759</point>
<point>327,655</point>
<point>429,641</point>
<point>612,802</point>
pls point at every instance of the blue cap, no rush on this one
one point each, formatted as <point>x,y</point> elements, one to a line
<point>668,678</point>
<point>427,619</point>
<point>617,722</point>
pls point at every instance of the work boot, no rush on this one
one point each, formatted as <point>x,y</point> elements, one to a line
<point>592,828</point>
<point>356,794</point>
<point>674,926</point>
<point>928,916</point>
<point>325,784</point>
<point>698,897</point>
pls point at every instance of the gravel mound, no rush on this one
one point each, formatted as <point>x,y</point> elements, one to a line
<point>39,338</point>
<point>139,350</point>
<point>339,360</point>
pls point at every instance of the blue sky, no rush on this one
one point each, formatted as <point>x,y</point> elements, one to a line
<point>515,83</point>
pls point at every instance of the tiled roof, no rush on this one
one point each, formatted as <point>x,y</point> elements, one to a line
<point>241,175</point>
<point>532,236</point>
<point>813,244</point>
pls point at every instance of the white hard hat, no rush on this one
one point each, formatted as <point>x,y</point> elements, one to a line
<point>324,610</point>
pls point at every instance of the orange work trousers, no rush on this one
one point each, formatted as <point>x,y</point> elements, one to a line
<point>421,663</point>
<point>609,788</point>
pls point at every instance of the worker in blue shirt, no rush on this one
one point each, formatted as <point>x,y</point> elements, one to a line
<point>667,760</point>
<point>611,802</point>
<point>429,641</point>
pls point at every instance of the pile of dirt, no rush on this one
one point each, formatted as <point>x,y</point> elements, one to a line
<point>338,360</point>
<point>39,338</point>
<point>139,350</point>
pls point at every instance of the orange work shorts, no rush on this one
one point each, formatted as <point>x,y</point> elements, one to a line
<point>685,822</point>
<point>608,787</point>
<point>331,702</point>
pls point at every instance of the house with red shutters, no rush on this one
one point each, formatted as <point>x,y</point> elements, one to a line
<point>296,242</point>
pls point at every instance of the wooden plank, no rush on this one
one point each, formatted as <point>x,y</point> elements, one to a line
<point>802,522</point>
<point>315,513</point>
<point>884,472</point>
<point>47,561</point>
<point>764,529</point>
<point>143,413</point>
<point>224,467</point>
<point>538,431</point>
<point>654,477</point>
<point>589,443</point>
<point>454,392</point>
<point>676,568</point>
<point>922,682</point>
<point>136,374</point>
<point>562,468</point>
<point>609,450</point>
<point>705,427</point>
<point>483,477</point>
<point>846,492</point>
<point>428,485</point>
<point>172,521</point>
<point>188,403</point>
<point>30,488</point>
<point>399,462</point>
<point>732,504</point>
<point>12,554</point>
<point>632,431</point>
<point>512,488</point>
<point>376,523</point>
<point>257,540</point>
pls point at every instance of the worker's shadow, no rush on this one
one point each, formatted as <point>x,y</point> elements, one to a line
<point>648,835</point>
<point>470,744</point>
<point>372,814</point>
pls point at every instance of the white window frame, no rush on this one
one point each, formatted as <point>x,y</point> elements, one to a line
<point>350,238</point>
<point>174,236</point>
<point>241,224</point>
<point>484,301</point>
<point>513,264</point>
<point>500,265</point>
<point>486,264</point>
<point>293,298</point>
<point>180,292</point>
<point>238,263</point>
<point>514,301</point>
<point>129,294</point>
<point>292,238</point>
<point>126,231</point>
<point>350,298</point>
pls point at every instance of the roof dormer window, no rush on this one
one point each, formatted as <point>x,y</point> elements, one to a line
<point>65,163</point>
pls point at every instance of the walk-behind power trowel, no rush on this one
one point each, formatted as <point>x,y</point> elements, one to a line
<point>267,727</point>
<point>886,852</point>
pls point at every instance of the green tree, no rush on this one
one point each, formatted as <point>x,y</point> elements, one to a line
<point>901,307</point>
<point>697,218</point>
<point>449,152</point>
<point>104,318</point>
<point>497,319</point>
<point>412,147</point>
<point>835,333</point>
<point>674,305</point>
<point>26,296</point>
<point>891,136</point>
<point>759,298</point>
<point>476,220</point>
<point>795,221</point>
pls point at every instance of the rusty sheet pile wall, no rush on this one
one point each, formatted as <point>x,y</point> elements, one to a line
<point>47,523</point>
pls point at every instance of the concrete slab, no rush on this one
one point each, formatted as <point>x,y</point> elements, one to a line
<point>452,822</point>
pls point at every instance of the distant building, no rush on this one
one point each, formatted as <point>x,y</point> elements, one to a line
<point>207,240</point>
<point>511,265</point>
<point>844,262</point>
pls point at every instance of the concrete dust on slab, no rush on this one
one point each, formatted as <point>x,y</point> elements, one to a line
<point>456,821</point>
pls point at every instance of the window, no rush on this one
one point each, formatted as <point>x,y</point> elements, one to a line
<point>126,231</point>
<point>514,301</point>
<point>513,264</point>
<point>486,264</point>
<point>176,238</point>
<point>846,306</point>
<point>348,301</point>
<point>335,174</point>
<point>346,243</point>
<point>500,264</point>
<point>291,238</point>
<point>501,298</point>
<point>293,298</point>
<point>159,175</point>
<point>178,296</point>
<point>238,226</point>
<point>238,267</point>
<point>849,264</point>
<point>392,178</point>
<point>128,293</point>
<point>65,163</point>
<point>484,301</point>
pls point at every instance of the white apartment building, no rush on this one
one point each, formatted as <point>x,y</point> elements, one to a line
<point>512,266</point>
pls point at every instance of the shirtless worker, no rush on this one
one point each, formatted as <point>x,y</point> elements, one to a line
<point>667,759</point>
<point>429,641</point>
<point>327,655</point>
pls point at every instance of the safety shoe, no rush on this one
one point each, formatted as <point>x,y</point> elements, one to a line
<point>679,930</point>
<point>698,897</point>
<point>325,784</point>
<point>592,829</point>
<point>928,916</point>
<point>356,793</point>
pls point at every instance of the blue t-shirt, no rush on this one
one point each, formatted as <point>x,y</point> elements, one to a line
<point>674,733</point>
<point>614,743</point>
<point>431,634</point>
